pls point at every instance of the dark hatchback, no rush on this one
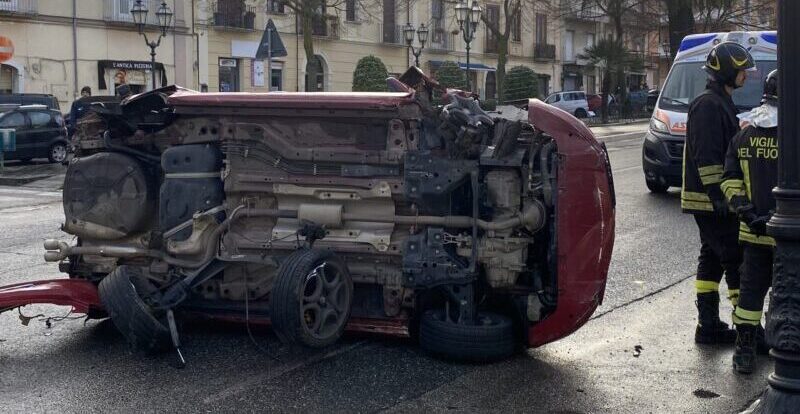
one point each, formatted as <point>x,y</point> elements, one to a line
<point>40,133</point>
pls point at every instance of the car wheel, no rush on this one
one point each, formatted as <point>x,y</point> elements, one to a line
<point>656,187</point>
<point>125,293</point>
<point>311,298</point>
<point>581,113</point>
<point>490,338</point>
<point>57,152</point>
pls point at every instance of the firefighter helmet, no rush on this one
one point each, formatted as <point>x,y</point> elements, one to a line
<point>725,61</point>
<point>771,88</point>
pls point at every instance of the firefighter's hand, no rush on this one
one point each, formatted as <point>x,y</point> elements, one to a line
<point>759,225</point>
<point>720,207</point>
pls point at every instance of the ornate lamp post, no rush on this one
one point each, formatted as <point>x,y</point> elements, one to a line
<point>783,318</point>
<point>468,18</point>
<point>164,14</point>
<point>422,34</point>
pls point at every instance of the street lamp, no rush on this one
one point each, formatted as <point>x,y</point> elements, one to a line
<point>783,317</point>
<point>422,34</point>
<point>164,15</point>
<point>468,18</point>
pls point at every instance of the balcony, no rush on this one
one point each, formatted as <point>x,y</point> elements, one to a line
<point>543,51</point>
<point>391,34</point>
<point>234,15</point>
<point>18,6</point>
<point>322,26</point>
<point>119,11</point>
<point>578,10</point>
<point>441,41</point>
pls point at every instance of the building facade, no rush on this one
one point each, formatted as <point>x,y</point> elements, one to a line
<point>60,46</point>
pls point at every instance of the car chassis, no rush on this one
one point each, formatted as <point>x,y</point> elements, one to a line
<point>317,213</point>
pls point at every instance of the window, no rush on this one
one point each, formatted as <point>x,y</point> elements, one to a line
<point>516,27</point>
<point>276,81</point>
<point>275,6</point>
<point>389,22</point>
<point>228,75</point>
<point>569,51</point>
<point>39,119</point>
<point>541,29</point>
<point>350,10</point>
<point>589,40</point>
<point>13,120</point>
<point>437,22</point>
<point>493,19</point>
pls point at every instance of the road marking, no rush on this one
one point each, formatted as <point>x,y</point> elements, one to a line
<point>242,386</point>
<point>621,134</point>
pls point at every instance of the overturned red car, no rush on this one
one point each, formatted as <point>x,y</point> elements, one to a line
<point>476,232</point>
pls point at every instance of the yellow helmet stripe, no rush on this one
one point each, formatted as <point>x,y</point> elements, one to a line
<point>716,65</point>
<point>738,62</point>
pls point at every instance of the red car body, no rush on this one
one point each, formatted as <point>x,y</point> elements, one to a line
<point>585,228</point>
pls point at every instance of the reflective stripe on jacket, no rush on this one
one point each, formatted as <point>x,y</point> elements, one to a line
<point>710,126</point>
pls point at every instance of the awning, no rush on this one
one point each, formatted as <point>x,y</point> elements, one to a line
<point>477,67</point>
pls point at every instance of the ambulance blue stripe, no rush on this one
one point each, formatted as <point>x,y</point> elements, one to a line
<point>770,38</point>
<point>689,43</point>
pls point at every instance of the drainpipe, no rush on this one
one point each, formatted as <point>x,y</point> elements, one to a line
<point>196,38</point>
<point>74,49</point>
<point>296,55</point>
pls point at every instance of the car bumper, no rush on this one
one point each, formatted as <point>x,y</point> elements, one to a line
<point>662,158</point>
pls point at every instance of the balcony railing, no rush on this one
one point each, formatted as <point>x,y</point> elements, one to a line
<point>234,15</point>
<point>441,41</point>
<point>322,26</point>
<point>580,10</point>
<point>542,51</point>
<point>18,6</point>
<point>120,10</point>
<point>391,34</point>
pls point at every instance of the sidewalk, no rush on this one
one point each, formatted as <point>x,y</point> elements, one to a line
<point>36,174</point>
<point>619,129</point>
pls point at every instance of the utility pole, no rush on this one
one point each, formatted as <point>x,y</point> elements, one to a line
<point>783,318</point>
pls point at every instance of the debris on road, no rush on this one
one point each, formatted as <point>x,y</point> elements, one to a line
<point>637,350</point>
<point>705,394</point>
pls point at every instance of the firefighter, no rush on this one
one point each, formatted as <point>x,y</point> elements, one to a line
<point>751,172</point>
<point>711,124</point>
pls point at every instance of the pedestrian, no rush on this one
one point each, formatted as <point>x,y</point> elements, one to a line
<point>711,125</point>
<point>751,172</point>
<point>79,108</point>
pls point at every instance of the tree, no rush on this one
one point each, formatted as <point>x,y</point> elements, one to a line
<point>449,75</point>
<point>370,75</point>
<point>521,84</point>
<point>680,18</point>
<point>614,59</point>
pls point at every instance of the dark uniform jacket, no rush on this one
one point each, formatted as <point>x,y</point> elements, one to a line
<point>751,170</point>
<point>711,125</point>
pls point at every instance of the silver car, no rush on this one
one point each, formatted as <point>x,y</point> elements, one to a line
<point>573,102</point>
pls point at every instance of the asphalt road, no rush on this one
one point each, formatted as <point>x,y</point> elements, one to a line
<point>635,356</point>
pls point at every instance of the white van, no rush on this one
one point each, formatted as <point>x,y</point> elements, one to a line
<point>662,151</point>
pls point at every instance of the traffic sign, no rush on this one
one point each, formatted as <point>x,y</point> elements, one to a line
<point>271,42</point>
<point>6,49</point>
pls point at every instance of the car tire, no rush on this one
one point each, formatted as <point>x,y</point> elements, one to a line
<point>311,299</point>
<point>490,340</point>
<point>57,152</point>
<point>656,187</point>
<point>121,293</point>
<point>581,113</point>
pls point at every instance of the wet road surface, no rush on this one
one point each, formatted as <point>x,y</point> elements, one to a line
<point>635,356</point>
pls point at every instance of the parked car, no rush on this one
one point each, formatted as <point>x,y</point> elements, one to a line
<point>381,213</point>
<point>652,98</point>
<point>40,132</point>
<point>596,100</point>
<point>573,102</point>
<point>19,99</point>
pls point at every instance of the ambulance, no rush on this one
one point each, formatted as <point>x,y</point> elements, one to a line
<point>662,151</point>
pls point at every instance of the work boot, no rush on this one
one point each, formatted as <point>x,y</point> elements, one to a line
<point>761,341</point>
<point>710,329</point>
<point>744,358</point>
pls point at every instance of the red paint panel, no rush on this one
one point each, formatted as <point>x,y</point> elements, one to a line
<point>306,100</point>
<point>78,293</point>
<point>585,222</point>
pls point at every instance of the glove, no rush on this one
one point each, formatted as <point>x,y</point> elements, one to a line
<point>759,225</point>
<point>720,207</point>
<point>718,202</point>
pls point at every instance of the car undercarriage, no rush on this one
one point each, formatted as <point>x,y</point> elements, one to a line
<point>476,232</point>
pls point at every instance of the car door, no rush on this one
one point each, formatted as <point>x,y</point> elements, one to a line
<point>17,121</point>
<point>42,131</point>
